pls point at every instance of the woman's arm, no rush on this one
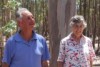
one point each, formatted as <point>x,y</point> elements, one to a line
<point>91,64</point>
<point>59,64</point>
<point>45,63</point>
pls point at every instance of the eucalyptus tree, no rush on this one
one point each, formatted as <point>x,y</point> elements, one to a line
<point>60,12</point>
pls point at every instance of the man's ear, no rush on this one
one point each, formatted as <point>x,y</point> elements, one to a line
<point>19,23</point>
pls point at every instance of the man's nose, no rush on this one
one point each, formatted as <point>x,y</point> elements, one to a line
<point>32,19</point>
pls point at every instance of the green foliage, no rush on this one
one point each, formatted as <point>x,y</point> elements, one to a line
<point>40,13</point>
<point>12,4</point>
<point>37,7</point>
<point>9,28</point>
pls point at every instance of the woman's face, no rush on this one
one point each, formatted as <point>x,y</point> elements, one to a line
<point>77,29</point>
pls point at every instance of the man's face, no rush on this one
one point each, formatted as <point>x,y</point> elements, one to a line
<point>27,22</point>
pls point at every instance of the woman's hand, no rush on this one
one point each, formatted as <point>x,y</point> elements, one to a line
<point>59,64</point>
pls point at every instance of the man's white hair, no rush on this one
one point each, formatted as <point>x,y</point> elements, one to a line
<point>19,13</point>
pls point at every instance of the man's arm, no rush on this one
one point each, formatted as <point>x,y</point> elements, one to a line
<point>45,63</point>
<point>59,64</point>
<point>5,65</point>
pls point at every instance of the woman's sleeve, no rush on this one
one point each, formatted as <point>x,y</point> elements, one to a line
<point>61,55</point>
<point>91,51</point>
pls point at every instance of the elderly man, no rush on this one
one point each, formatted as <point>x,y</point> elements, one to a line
<point>26,48</point>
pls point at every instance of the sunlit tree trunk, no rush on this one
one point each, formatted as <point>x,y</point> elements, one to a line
<point>60,12</point>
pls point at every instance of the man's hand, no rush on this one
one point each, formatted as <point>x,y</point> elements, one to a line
<point>5,65</point>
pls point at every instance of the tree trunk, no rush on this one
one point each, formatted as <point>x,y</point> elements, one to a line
<point>60,12</point>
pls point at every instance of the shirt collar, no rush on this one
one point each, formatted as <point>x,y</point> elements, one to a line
<point>82,39</point>
<point>70,36</point>
<point>34,37</point>
<point>18,37</point>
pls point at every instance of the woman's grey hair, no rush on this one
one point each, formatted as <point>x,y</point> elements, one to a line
<point>78,19</point>
<point>18,13</point>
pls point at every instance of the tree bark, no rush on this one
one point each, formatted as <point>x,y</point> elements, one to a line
<point>59,14</point>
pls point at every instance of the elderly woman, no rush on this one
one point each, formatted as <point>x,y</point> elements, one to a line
<point>76,49</point>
